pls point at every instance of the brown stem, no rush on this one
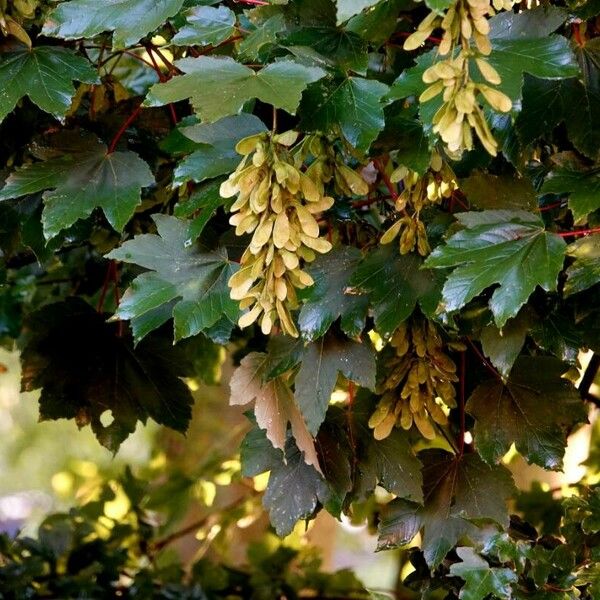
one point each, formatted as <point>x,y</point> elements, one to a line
<point>132,117</point>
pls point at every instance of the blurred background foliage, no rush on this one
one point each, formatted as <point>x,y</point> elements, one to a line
<point>186,493</point>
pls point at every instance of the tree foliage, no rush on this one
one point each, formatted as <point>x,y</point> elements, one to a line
<point>385,213</point>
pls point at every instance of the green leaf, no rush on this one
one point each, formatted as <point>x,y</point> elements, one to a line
<point>294,492</point>
<point>86,370</point>
<point>583,189</point>
<point>481,580</point>
<point>44,74</point>
<point>326,300</point>
<point>487,191</point>
<point>344,48</point>
<point>390,463</point>
<point>395,284</point>
<point>206,25</point>
<point>316,379</point>
<point>348,8</point>
<point>215,153</point>
<point>180,271</point>
<point>334,450</point>
<point>130,20</point>
<point>81,179</point>
<point>257,454</point>
<point>585,271</point>
<point>548,103</point>
<point>503,346</point>
<point>353,105</point>
<point>522,43</point>
<point>219,86</point>
<point>509,248</point>
<point>537,22</point>
<point>378,24</point>
<point>535,409</point>
<point>457,490</point>
<point>206,200</point>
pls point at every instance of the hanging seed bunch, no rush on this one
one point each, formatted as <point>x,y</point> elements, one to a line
<point>13,14</point>
<point>327,166</point>
<point>465,40</point>
<point>276,202</point>
<point>417,374</point>
<point>418,192</point>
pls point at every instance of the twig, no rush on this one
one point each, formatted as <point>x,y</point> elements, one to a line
<point>132,117</point>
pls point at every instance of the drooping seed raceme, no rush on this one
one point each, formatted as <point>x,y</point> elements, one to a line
<point>417,383</point>
<point>464,23</point>
<point>419,191</point>
<point>277,202</point>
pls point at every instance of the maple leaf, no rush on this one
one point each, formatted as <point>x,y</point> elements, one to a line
<point>274,405</point>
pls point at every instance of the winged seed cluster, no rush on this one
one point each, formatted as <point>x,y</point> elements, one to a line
<point>277,203</point>
<point>461,112</point>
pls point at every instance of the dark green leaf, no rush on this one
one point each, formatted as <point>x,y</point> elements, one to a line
<point>394,285</point>
<point>354,105</point>
<point>487,191</point>
<point>316,379</point>
<point>205,200</point>
<point>503,346</point>
<point>85,370</point>
<point>457,490</point>
<point>45,74</point>
<point>509,248</point>
<point>214,153</point>
<point>206,25</point>
<point>219,86</point>
<point>295,490</point>
<point>585,271</point>
<point>326,300</point>
<point>390,463</point>
<point>178,270</point>
<point>81,179</point>
<point>481,580</point>
<point>129,19</point>
<point>535,409</point>
<point>583,188</point>
<point>346,49</point>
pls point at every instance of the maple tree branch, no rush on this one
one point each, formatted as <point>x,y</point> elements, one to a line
<point>461,403</point>
<point>132,117</point>
<point>578,232</point>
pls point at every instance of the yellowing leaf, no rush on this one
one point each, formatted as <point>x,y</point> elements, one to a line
<point>274,405</point>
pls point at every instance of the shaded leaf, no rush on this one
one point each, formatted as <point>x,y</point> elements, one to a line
<point>395,284</point>
<point>487,191</point>
<point>80,179</point>
<point>509,248</point>
<point>294,492</point>
<point>85,370</point>
<point>130,20</point>
<point>219,86</point>
<point>583,188</point>
<point>179,270</point>
<point>535,409</point>
<point>214,153</point>
<point>585,271</point>
<point>326,300</point>
<point>503,346</point>
<point>457,490</point>
<point>390,463</point>
<point>316,379</point>
<point>44,74</point>
<point>354,105</point>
